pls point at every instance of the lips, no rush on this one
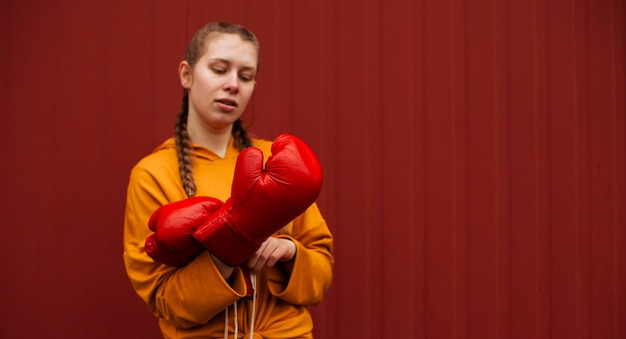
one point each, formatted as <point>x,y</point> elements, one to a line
<point>227,102</point>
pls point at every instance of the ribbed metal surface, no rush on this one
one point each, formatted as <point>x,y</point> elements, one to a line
<point>473,152</point>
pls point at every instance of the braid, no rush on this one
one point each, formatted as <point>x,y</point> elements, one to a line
<point>242,140</point>
<point>184,149</point>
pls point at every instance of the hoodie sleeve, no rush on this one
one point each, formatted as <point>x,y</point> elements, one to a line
<point>310,274</point>
<point>186,296</point>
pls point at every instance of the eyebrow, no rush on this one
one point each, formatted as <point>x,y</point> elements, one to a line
<point>229,62</point>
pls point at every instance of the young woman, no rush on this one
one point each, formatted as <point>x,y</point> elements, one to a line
<point>203,295</point>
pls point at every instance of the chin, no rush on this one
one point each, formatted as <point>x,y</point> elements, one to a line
<point>223,123</point>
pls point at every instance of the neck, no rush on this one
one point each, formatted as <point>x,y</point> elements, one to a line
<point>217,140</point>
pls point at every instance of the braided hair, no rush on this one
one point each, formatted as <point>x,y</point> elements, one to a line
<point>184,147</point>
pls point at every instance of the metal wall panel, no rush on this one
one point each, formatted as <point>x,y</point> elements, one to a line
<point>473,154</point>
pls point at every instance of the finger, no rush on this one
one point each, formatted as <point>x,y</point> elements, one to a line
<point>252,261</point>
<point>259,264</point>
<point>273,257</point>
<point>258,260</point>
<point>282,250</point>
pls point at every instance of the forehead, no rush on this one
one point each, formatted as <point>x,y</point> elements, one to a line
<point>232,48</point>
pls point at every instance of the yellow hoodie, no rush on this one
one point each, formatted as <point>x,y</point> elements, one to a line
<point>195,301</point>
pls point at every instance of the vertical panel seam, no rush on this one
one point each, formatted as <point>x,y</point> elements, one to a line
<point>614,109</point>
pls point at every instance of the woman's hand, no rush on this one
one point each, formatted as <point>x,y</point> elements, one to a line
<point>272,251</point>
<point>225,269</point>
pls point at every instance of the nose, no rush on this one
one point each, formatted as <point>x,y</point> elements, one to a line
<point>232,83</point>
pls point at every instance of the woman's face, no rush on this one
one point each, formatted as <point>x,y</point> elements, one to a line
<point>221,82</point>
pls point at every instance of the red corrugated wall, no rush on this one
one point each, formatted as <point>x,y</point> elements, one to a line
<point>474,156</point>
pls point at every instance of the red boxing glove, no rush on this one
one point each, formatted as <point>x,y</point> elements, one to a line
<point>262,200</point>
<point>174,224</point>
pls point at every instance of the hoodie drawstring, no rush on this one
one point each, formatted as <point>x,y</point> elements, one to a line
<point>253,282</point>
<point>226,322</point>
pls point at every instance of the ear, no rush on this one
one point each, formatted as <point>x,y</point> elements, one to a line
<point>185,74</point>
